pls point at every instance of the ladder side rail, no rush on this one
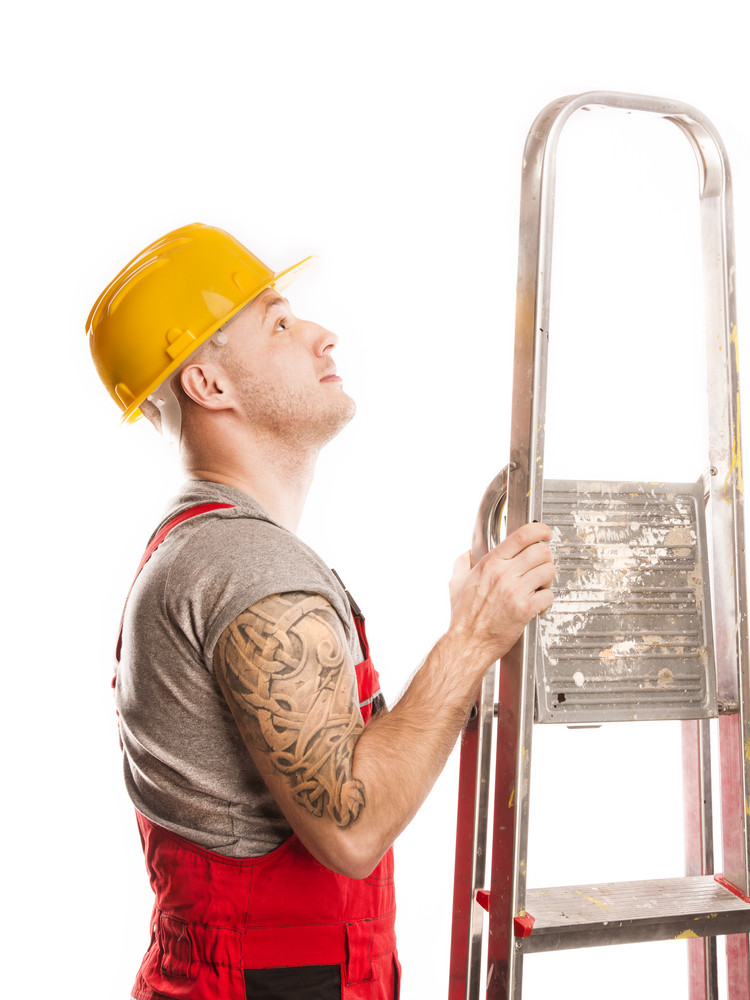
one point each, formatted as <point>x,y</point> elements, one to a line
<point>699,847</point>
<point>510,830</point>
<point>722,365</point>
<point>517,668</point>
<point>728,568</point>
<point>471,840</point>
<point>727,519</point>
<point>728,543</point>
<point>473,788</point>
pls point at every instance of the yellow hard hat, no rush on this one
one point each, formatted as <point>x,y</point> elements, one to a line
<point>167,302</point>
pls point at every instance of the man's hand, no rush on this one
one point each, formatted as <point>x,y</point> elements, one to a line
<point>493,602</point>
<point>461,569</point>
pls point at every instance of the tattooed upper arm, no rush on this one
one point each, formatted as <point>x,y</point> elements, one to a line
<point>287,674</point>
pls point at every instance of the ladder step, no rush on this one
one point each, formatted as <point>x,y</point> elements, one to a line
<point>581,916</point>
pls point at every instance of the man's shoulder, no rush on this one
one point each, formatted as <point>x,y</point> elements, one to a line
<point>209,500</point>
<point>216,522</point>
<point>235,555</point>
<point>235,541</point>
<point>212,567</point>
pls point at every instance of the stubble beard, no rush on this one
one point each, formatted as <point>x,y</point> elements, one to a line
<point>295,418</point>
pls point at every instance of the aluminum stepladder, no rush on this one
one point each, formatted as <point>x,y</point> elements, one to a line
<point>636,632</point>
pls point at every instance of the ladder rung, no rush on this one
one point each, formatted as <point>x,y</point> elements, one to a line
<point>581,916</point>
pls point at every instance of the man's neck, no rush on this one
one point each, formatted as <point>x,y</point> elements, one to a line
<point>279,482</point>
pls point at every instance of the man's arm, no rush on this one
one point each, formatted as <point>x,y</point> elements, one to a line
<point>287,674</point>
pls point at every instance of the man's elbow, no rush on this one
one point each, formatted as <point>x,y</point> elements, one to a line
<point>355,867</point>
<point>348,854</point>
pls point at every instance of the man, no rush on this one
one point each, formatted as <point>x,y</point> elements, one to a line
<point>268,778</point>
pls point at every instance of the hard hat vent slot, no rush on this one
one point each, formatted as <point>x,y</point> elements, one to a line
<point>244,281</point>
<point>124,394</point>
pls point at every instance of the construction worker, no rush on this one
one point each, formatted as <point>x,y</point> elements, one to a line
<point>269,779</point>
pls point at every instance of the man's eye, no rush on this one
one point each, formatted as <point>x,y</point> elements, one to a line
<point>281,325</point>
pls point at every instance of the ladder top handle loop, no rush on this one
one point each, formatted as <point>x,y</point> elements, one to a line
<point>707,144</point>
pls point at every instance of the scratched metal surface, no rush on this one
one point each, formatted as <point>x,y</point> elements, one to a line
<point>629,636</point>
<point>579,916</point>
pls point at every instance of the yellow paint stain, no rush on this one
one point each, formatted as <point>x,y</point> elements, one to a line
<point>736,444</point>
<point>597,902</point>
<point>747,750</point>
<point>685,935</point>
<point>512,796</point>
<point>733,339</point>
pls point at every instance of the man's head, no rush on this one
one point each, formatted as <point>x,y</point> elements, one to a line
<point>268,374</point>
<point>169,302</point>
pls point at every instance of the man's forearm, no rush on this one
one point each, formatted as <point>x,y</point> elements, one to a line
<point>400,755</point>
<point>398,758</point>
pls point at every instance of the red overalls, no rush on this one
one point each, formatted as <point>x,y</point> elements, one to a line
<point>277,927</point>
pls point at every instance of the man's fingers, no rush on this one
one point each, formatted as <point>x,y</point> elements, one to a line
<point>541,602</point>
<point>540,577</point>
<point>522,538</point>
<point>533,556</point>
<point>506,589</point>
<point>527,557</point>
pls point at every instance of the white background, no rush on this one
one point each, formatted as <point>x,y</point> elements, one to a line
<point>386,138</point>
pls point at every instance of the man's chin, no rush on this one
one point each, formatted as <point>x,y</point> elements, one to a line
<point>343,415</point>
<point>346,412</point>
<point>352,408</point>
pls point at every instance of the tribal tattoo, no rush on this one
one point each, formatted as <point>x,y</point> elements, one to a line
<point>284,669</point>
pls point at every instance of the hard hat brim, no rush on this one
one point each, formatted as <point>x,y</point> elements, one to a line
<point>280,281</point>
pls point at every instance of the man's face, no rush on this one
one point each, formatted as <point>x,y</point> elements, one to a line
<point>283,370</point>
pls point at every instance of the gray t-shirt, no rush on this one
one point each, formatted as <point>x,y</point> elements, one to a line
<point>186,767</point>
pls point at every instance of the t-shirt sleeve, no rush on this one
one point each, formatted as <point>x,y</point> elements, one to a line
<point>231,563</point>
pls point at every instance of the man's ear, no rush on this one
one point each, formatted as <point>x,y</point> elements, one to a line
<point>206,384</point>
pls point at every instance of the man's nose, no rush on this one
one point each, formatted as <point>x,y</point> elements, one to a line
<point>323,340</point>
